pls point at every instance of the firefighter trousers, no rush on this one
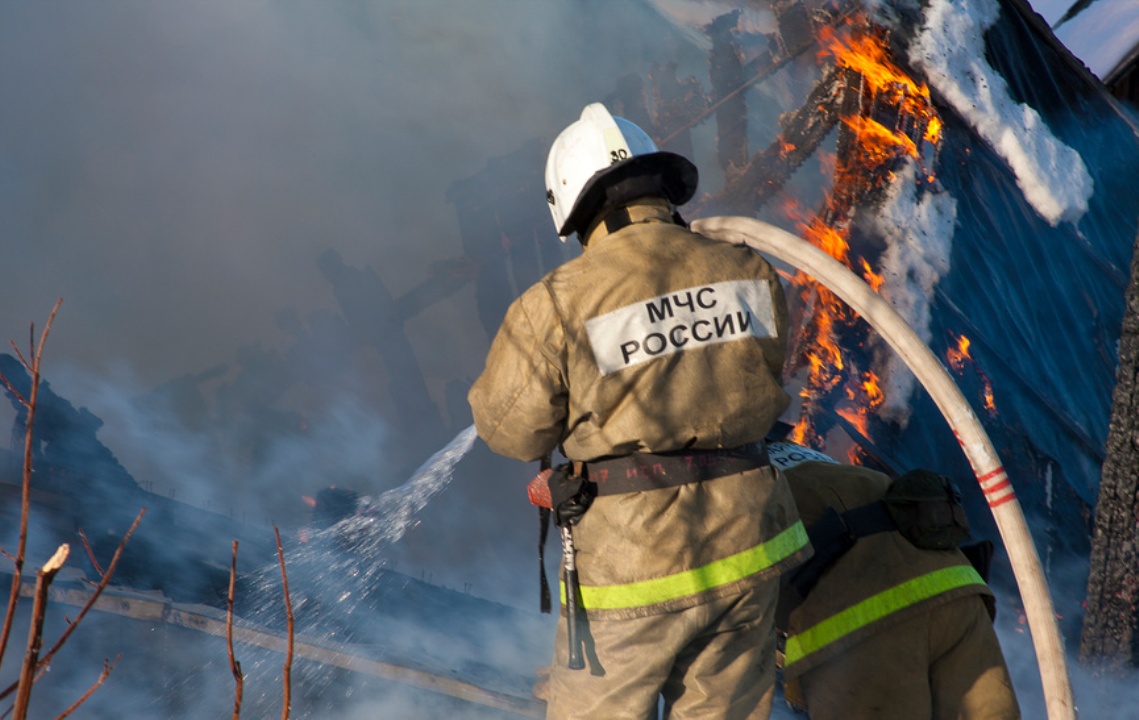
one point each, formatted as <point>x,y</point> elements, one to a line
<point>714,661</point>
<point>944,664</point>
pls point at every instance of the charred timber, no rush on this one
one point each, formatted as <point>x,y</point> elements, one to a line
<point>676,106</point>
<point>802,132</point>
<point>726,72</point>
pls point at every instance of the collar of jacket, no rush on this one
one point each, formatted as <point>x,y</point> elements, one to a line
<point>644,210</point>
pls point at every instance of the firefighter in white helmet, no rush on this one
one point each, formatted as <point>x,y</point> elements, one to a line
<point>889,620</point>
<point>653,363</point>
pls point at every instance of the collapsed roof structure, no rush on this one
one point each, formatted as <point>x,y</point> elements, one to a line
<point>980,180</point>
<point>954,154</point>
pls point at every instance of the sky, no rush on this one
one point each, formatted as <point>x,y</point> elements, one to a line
<point>174,171</point>
<point>1103,35</point>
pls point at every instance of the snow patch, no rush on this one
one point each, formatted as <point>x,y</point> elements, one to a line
<point>917,226</point>
<point>950,50</point>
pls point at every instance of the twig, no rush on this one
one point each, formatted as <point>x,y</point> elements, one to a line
<point>94,595</point>
<point>41,666</point>
<point>25,498</point>
<point>234,665</point>
<point>16,349</point>
<point>12,389</point>
<point>90,553</point>
<point>108,667</point>
<point>44,576</point>
<point>288,669</point>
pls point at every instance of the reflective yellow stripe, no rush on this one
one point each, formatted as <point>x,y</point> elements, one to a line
<point>877,607</point>
<point>713,575</point>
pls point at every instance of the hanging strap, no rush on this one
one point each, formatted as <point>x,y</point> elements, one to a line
<point>543,531</point>
<point>544,584</point>
<point>833,534</point>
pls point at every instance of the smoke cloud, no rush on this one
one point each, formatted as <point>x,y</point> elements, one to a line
<point>220,191</point>
<point>256,215</point>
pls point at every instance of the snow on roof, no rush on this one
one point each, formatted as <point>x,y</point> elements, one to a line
<point>950,50</point>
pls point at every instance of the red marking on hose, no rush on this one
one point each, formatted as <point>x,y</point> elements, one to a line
<point>1001,501</point>
<point>991,474</point>
<point>997,487</point>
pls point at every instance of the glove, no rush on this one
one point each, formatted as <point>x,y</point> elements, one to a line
<point>570,495</point>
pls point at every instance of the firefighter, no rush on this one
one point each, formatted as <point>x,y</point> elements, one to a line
<point>889,620</point>
<point>652,361</point>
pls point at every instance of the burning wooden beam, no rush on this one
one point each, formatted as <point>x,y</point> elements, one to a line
<point>803,130</point>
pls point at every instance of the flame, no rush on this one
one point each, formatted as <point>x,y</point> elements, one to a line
<point>879,142</point>
<point>868,56</point>
<point>873,279</point>
<point>933,131</point>
<point>799,433</point>
<point>855,418</point>
<point>869,150</point>
<point>872,390</point>
<point>865,397</point>
<point>959,357</point>
<point>989,402</point>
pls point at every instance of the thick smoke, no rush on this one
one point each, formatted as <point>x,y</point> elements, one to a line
<point>177,174</point>
<point>917,228</point>
<point>221,190</point>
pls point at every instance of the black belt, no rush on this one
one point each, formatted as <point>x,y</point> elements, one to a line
<point>639,472</point>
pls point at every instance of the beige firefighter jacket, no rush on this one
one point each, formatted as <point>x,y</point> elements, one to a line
<point>882,580</point>
<point>654,339</point>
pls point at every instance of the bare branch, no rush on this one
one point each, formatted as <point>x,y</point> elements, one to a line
<point>234,665</point>
<point>12,389</point>
<point>108,667</point>
<point>47,329</point>
<point>25,498</point>
<point>94,595</point>
<point>41,666</point>
<point>19,355</point>
<point>288,669</point>
<point>90,553</point>
<point>56,561</point>
<point>44,576</point>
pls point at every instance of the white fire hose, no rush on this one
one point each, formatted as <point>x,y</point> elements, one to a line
<point>962,420</point>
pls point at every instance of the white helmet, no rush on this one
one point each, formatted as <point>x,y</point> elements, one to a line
<point>600,161</point>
